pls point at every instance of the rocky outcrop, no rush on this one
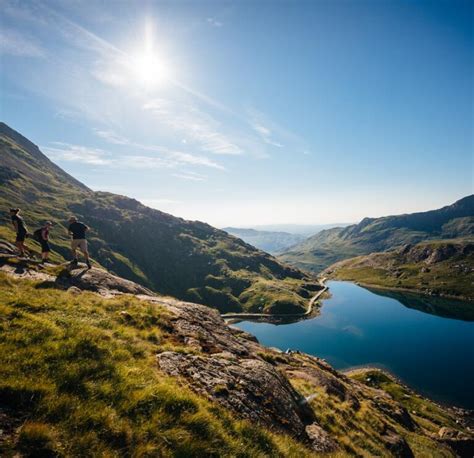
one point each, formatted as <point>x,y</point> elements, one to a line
<point>252,388</point>
<point>98,280</point>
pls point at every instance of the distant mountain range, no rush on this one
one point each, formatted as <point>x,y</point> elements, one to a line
<point>187,259</point>
<point>278,237</point>
<point>305,230</point>
<point>379,234</point>
<point>271,242</point>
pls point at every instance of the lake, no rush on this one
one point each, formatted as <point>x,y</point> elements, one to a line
<point>426,342</point>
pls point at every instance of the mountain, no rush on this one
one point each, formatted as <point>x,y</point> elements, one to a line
<point>380,234</point>
<point>437,267</point>
<point>305,230</point>
<point>95,365</point>
<point>271,242</point>
<point>189,260</point>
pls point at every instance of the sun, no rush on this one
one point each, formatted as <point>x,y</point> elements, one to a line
<point>148,69</point>
<point>147,66</point>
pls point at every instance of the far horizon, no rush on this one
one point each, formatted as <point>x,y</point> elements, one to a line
<point>282,113</point>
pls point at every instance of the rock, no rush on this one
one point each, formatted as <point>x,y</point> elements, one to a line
<point>396,444</point>
<point>100,281</point>
<point>74,290</point>
<point>321,441</point>
<point>7,248</point>
<point>251,388</point>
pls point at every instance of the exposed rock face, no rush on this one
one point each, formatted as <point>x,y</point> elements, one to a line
<point>251,387</point>
<point>434,254</point>
<point>321,441</point>
<point>100,281</point>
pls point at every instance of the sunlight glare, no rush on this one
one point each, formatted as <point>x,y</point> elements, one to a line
<point>147,66</point>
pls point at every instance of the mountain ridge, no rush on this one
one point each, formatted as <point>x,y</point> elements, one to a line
<point>380,234</point>
<point>190,260</point>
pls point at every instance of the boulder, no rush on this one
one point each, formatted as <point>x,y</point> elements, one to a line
<point>99,281</point>
<point>251,388</point>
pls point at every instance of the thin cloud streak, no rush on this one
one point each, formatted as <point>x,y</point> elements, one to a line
<point>96,156</point>
<point>15,44</point>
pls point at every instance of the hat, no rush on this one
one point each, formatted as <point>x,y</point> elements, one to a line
<point>49,223</point>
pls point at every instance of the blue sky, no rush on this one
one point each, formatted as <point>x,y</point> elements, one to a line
<point>244,113</point>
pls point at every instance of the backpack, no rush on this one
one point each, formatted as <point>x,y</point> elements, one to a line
<point>37,234</point>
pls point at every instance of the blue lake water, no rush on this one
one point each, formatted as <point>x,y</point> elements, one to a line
<point>427,343</point>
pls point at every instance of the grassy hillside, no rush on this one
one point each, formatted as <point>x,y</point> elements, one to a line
<point>271,242</point>
<point>437,267</point>
<point>187,259</point>
<point>83,375</point>
<point>380,234</point>
<point>78,378</point>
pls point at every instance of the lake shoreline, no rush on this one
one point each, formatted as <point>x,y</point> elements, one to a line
<point>280,318</point>
<point>414,291</point>
<point>363,369</point>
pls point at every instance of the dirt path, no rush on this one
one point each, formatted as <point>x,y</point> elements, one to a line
<point>308,311</point>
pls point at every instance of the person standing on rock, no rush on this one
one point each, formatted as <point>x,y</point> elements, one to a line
<point>78,230</point>
<point>42,236</point>
<point>20,229</point>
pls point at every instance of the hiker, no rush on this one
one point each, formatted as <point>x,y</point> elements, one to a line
<point>41,235</point>
<point>78,232</point>
<point>21,231</point>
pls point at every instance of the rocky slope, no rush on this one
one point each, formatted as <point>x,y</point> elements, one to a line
<point>187,259</point>
<point>115,370</point>
<point>380,234</point>
<point>440,268</point>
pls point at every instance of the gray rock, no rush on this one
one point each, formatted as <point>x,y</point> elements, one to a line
<point>251,388</point>
<point>100,281</point>
<point>321,441</point>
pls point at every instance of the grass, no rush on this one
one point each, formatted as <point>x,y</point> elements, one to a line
<point>453,277</point>
<point>83,371</point>
<point>359,426</point>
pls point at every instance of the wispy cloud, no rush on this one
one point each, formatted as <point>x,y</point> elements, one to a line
<point>214,22</point>
<point>15,44</point>
<point>112,137</point>
<point>190,176</point>
<point>166,156</point>
<point>194,125</point>
<point>95,156</point>
<point>75,153</point>
<point>273,134</point>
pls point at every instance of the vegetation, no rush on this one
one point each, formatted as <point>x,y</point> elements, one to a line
<point>186,259</point>
<point>79,377</point>
<point>78,374</point>
<point>439,268</point>
<point>365,424</point>
<point>380,234</point>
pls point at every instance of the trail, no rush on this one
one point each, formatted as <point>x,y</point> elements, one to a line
<point>308,311</point>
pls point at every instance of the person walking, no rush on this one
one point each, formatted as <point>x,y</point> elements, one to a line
<point>20,229</point>
<point>77,231</point>
<point>42,236</point>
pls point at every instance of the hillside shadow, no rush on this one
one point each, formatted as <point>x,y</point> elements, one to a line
<point>442,307</point>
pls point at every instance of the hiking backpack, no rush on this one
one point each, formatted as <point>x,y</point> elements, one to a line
<point>37,234</point>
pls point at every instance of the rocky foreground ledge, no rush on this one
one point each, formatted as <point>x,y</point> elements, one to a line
<point>291,393</point>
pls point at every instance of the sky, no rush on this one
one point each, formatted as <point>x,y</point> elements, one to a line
<point>247,112</point>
